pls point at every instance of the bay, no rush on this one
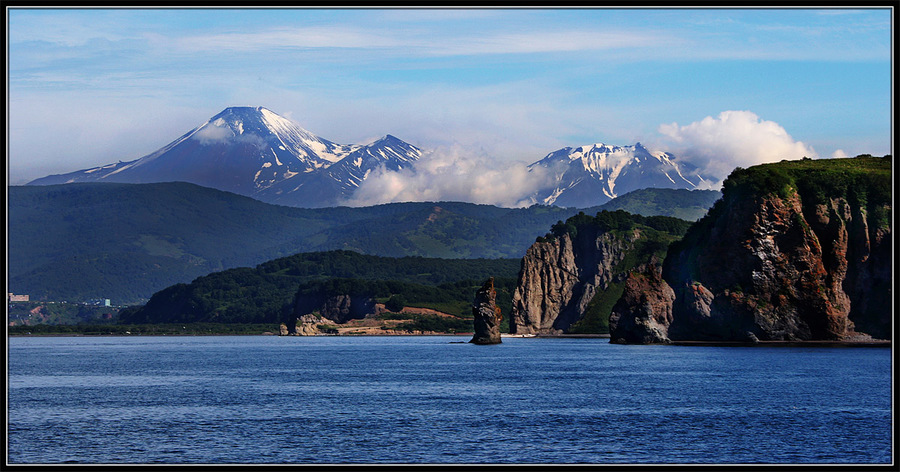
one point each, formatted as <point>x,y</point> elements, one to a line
<point>441,400</point>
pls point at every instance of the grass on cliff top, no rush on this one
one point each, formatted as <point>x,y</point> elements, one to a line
<point>618,220</point>
<point>817,179</point>
<point>863,181</point>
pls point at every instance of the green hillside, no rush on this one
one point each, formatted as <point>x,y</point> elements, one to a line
<point>127,241</point>
<point>263,294</point>
<point>268,292</point>
<point>690,205</point>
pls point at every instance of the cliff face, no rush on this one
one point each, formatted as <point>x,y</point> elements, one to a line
<point>781,262</point>
<point>560,276</point>
<point>337,308</point>
<point>644,312</point>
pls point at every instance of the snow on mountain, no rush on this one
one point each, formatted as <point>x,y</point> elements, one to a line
<point>388,151</point>
<point>594,174</point>
<point>255,152</point>
<point>339,181</point>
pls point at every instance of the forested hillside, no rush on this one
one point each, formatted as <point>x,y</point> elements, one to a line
<point>264,294</point>
<point>127,241</point>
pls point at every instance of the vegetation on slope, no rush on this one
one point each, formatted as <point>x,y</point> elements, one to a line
<point>43,313</point>
<point>264,294</point>
<point>127,241</point>
<point>863,181</point>
<point>690,205</point>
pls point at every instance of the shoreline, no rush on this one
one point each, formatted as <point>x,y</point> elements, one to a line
<point>812,343</point>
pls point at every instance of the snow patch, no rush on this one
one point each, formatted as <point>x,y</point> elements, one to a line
<point>276,158</point>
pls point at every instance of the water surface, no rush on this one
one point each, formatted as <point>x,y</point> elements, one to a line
<point>438,399</point>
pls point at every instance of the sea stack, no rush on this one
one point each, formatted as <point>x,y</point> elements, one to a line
<point>487,315</point>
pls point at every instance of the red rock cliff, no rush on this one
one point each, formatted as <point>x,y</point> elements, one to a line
<point>778,258</point>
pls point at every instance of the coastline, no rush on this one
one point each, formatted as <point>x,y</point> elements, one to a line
<point>876,343</point>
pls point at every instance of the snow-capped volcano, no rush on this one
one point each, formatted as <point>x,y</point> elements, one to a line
<point>255,152</point>
<point>594,174</point>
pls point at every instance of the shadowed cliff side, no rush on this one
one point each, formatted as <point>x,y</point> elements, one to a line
<point>644,312</point>
<point>795,251</point>
<point>487,315</point>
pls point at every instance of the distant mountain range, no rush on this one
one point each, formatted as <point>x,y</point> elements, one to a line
<point>126,241</point>
<point>254,152</point>
<point>590,175</point>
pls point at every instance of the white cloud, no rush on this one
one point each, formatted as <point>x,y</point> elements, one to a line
<point>553,41</point>
<point>280,38</point>
<point>733,139</point>
<point>420,41</point>
<point>453,174</point>
<point>212,134</point>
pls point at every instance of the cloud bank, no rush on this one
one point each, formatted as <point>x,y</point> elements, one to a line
<point>716,145</point>
<point>452,174</point>
<point>732,139</point>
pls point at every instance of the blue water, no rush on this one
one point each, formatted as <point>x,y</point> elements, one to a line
<point>423,399</point>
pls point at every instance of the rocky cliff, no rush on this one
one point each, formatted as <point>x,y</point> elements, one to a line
<point>337,308</point>
<point>579,269</point>
<point>798,250</point>
<point>648,300</point>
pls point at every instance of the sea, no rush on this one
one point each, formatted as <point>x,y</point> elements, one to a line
<point>441,400</point>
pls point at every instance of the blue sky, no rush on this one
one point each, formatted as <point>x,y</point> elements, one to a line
<point>717,87</point>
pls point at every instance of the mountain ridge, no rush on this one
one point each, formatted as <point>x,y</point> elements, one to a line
<point>255,152</point>
<point>594,174</point>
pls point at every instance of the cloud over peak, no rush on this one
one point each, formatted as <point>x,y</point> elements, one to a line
<point>716,145</point>
<point>732,139</point>
<point>452,174</point>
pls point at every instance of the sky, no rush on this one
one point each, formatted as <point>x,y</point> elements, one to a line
<point>487,90</point>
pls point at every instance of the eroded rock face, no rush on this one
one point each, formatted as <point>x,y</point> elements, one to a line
<point>767,268</point>
<point>339,308</point>
<point>559,278</point>
<point>307,325</point>
<point>644,312</point>
<point>487,315</point>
